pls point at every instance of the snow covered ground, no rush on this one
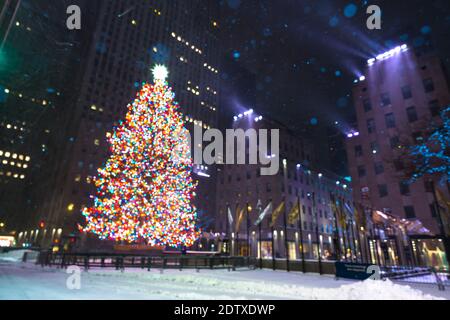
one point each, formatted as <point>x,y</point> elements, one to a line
<point>20,280</point>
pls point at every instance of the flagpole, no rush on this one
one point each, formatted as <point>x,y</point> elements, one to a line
<point>317,232</point>
<point>344,228</point>
<point>300,226</point>
<point>227,226</point>
<point>358,231</point>
<point>350,236</point>
<point>364,252</point>
<point>344,241</point>
<point>262,214</point>
<point>248,231</point>
<point>374,228</point>
<point>285,236</point>
<point>260,245</point>
<point>237,229</point>
<point>273,241</point>
<point>354,239</point>
<point>372,238</point>
<point>336,228</point>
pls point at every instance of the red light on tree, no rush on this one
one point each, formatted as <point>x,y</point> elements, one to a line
<point>42,224</point>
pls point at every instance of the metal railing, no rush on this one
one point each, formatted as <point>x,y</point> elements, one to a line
<point>122,261</point>
<point>418,275</point>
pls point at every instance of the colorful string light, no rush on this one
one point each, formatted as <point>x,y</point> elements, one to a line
<point>145,189</point>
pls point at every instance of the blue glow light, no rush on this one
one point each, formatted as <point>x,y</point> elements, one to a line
<point>234,4</point>
<point>350,10</point>
<point>333,22</point>
<point>425,30</point>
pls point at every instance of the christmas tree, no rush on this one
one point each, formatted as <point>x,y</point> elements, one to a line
<point>145,189</point>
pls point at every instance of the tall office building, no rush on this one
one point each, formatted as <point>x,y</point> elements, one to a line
<point>400,94</point>
<point>38,60</point>
<point>298,180</point>
<point>130,36</point>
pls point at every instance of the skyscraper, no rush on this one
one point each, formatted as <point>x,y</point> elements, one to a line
<point>38,59</point>
<point>396,99</point>
<point>129,38</point>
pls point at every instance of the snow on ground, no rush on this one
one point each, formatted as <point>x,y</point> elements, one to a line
<point>27,281</point>
<point>14,255</point>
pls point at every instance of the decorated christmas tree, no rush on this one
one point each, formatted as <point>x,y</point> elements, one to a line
<point>145,189</point>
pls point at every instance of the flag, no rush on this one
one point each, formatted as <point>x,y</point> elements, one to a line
<point>356,215</point>
<point>333,205</point>
<point>239,218</point>
<point>259,206</point>
<point>230,217</point>
<point>294,214</point>
<point>360,216</point>
<point>349,209</point>
<point>264,213</point>
<point>276,213</point>
<point>342,218</point>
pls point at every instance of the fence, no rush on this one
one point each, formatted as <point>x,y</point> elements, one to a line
<point>404,274</point>
<point>417,275</point>
<point>122,261</point>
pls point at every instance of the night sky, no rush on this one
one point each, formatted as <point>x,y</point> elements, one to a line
<point>306,53</point>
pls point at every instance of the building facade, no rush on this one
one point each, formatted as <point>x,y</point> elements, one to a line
<point>130,37</point>
<point>39,57</point>
<point>399,95</point>
<point>243,193</point>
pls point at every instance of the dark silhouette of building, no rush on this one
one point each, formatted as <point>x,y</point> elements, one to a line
<point>39,59</point>
<point>128,38</point>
